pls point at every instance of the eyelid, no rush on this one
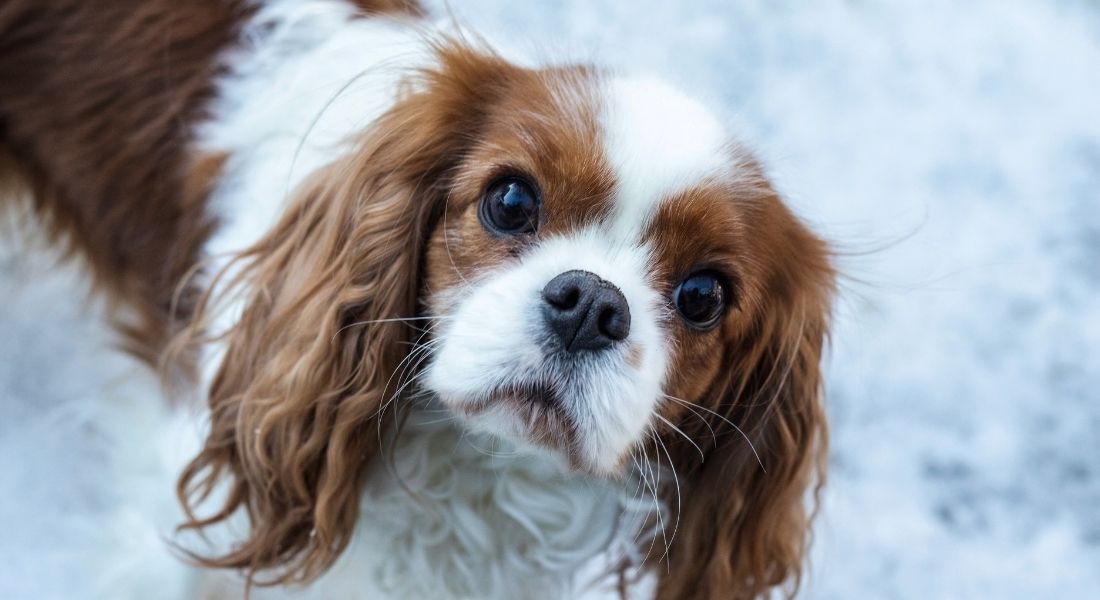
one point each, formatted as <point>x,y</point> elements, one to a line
<point>721,274</point>
<point>500,172</point>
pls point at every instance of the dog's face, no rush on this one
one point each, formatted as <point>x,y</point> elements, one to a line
<point>590,266</point>
<point>606,277</point>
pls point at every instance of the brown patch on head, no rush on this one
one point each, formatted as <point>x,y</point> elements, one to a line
<point>539,125</point>
<point>711,226</point>
<point>98,105</point>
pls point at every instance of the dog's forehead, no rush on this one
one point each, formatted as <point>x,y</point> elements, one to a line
<point>658,142</point>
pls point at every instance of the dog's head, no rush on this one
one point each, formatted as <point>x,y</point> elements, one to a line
<point>584,264</point>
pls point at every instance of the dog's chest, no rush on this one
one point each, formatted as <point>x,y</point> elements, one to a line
<point>455,515</point>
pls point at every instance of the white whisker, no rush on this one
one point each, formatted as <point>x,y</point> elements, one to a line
<point>678,430</point>
<point>731,424</point>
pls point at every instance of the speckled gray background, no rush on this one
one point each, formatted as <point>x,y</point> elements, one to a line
<point>949,148</point>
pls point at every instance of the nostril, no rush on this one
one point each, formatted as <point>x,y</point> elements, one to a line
<point>564,297</point>
<point>613,323</point>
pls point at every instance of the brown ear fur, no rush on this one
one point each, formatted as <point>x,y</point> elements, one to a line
<point>743,522</point>
<point>297,404</point>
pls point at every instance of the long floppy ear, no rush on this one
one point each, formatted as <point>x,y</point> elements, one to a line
<point>296,405</point>
<point>743,520</point>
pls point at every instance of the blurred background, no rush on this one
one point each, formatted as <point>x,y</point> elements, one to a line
<point>949,149</point>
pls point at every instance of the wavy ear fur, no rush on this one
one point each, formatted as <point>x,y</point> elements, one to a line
<point>743,521</point>
<point>296,405</point>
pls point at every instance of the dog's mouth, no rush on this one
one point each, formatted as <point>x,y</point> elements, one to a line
<point>533,412</point>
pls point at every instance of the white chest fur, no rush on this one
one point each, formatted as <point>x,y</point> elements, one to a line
<point>455,515</point>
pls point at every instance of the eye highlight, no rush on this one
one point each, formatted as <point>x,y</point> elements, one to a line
<point>510,206</point>
<point>701,299</point>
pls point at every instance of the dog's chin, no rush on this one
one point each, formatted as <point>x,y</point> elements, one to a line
<point>530,417</point>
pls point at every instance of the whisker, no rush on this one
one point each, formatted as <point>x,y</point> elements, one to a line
<point>706,423</point>
<point>449,418</point>
<point>424,355</point>
<point>676,481</point>
<point>655,469</point>
<point>487,452</point>
<point>651,486</point>
<point>678,430</point>
<point>447,246</point>
<point>399,371</point>
<point>731,424</point>
<point>416,355</point>
<point>390,320</point>
<point>643,488</point>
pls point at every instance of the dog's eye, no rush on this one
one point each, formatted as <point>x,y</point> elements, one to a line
<point>510,207</point>
<point>701,299</point>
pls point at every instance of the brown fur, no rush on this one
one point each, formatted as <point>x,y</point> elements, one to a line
<point>97,107</point>
<point>752,385</point>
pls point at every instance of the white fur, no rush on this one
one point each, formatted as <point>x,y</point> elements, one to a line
<point>308,78</point>
<point>483,521</point>
<point>658,141</point>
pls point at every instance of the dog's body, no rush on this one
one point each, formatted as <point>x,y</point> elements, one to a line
<point>162,139</point>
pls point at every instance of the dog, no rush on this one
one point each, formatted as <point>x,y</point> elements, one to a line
<point>441,322</point>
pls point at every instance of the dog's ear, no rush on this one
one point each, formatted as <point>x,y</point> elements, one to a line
<point>300,397</point>
<point>743,522</point>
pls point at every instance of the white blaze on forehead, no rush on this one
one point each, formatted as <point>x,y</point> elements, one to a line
<point>658,142</point>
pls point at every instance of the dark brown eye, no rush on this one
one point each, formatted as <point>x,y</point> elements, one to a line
<point>510,207</point>
<point>701,299</point>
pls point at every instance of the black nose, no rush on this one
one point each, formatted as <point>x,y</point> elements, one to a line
<point>585,312</point>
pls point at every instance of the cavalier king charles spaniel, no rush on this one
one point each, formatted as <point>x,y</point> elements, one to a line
<point>444,324</point>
